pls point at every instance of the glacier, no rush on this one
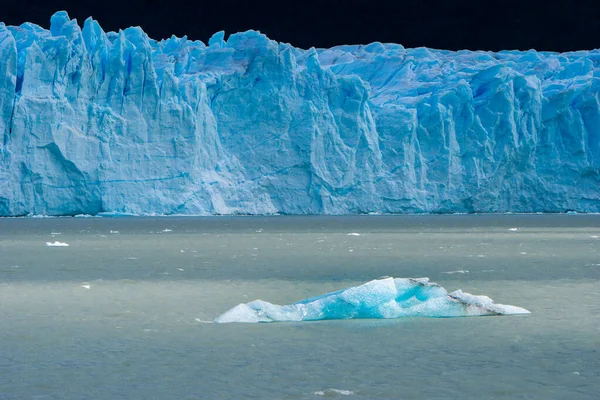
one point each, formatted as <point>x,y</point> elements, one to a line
<point>380,298</point>
<point>96,122</point>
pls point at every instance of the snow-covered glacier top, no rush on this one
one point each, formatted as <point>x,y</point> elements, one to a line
<point>95,122</point>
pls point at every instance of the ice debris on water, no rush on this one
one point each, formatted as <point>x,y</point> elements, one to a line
<point>117,123</point>
<point>57,244</point>
<point>333,392</point>
<point>379,298</point>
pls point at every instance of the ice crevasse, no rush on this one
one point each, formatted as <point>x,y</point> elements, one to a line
<point>115,122</point>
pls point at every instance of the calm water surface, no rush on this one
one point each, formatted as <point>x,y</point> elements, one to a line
<point>122,312</point>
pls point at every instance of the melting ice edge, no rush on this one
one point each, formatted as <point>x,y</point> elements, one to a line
<point>379,298</point>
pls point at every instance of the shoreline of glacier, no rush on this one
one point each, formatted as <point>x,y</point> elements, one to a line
<point>120,215</point>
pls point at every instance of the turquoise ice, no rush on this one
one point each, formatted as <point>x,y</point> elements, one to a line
<point>116,122</point>
<point>380,298</point>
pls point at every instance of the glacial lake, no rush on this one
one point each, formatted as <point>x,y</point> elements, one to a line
<point>125,311</point>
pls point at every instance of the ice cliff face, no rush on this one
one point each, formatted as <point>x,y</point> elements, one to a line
<point>96,122</point>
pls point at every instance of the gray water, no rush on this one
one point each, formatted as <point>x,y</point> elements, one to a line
<point>126,315</point>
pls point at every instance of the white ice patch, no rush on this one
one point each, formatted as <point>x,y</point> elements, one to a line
<point>330,392</point>
<point>460,271</point>
<point>240,313</point>
<point>353,234</point>
<point>57,244</point>
<point>485,303</point>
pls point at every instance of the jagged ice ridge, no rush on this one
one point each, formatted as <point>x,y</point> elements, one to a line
<point>94,121</point>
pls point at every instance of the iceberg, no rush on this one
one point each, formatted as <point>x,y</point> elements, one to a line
<point>380,298</point>
<point>113,123</point>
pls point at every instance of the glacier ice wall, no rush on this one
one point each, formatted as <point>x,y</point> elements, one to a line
<point>379,298</point>
<point>94,121</point>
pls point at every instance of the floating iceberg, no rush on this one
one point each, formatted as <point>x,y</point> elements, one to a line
<point>57,244</point>
<point>380,298</point>
<point>95,122</point>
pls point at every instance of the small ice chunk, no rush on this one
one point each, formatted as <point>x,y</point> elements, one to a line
<point>57,244</point>
<point>329,392</point>
<point>114,232</point>
<point>460,271</point>
<point>86,286</point>
<point>167,230</point>
<point>353,234</point>
<point>513,229</point>
<point>55,233</point>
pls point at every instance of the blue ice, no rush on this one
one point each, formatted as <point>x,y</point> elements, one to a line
<point>379,298</point>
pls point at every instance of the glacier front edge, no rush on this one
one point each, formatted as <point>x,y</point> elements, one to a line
<point>116,122</point>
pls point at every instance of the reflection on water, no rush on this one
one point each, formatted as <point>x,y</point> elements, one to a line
<point>122,312</point>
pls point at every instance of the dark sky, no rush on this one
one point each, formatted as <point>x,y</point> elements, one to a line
<point>557,25</point>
